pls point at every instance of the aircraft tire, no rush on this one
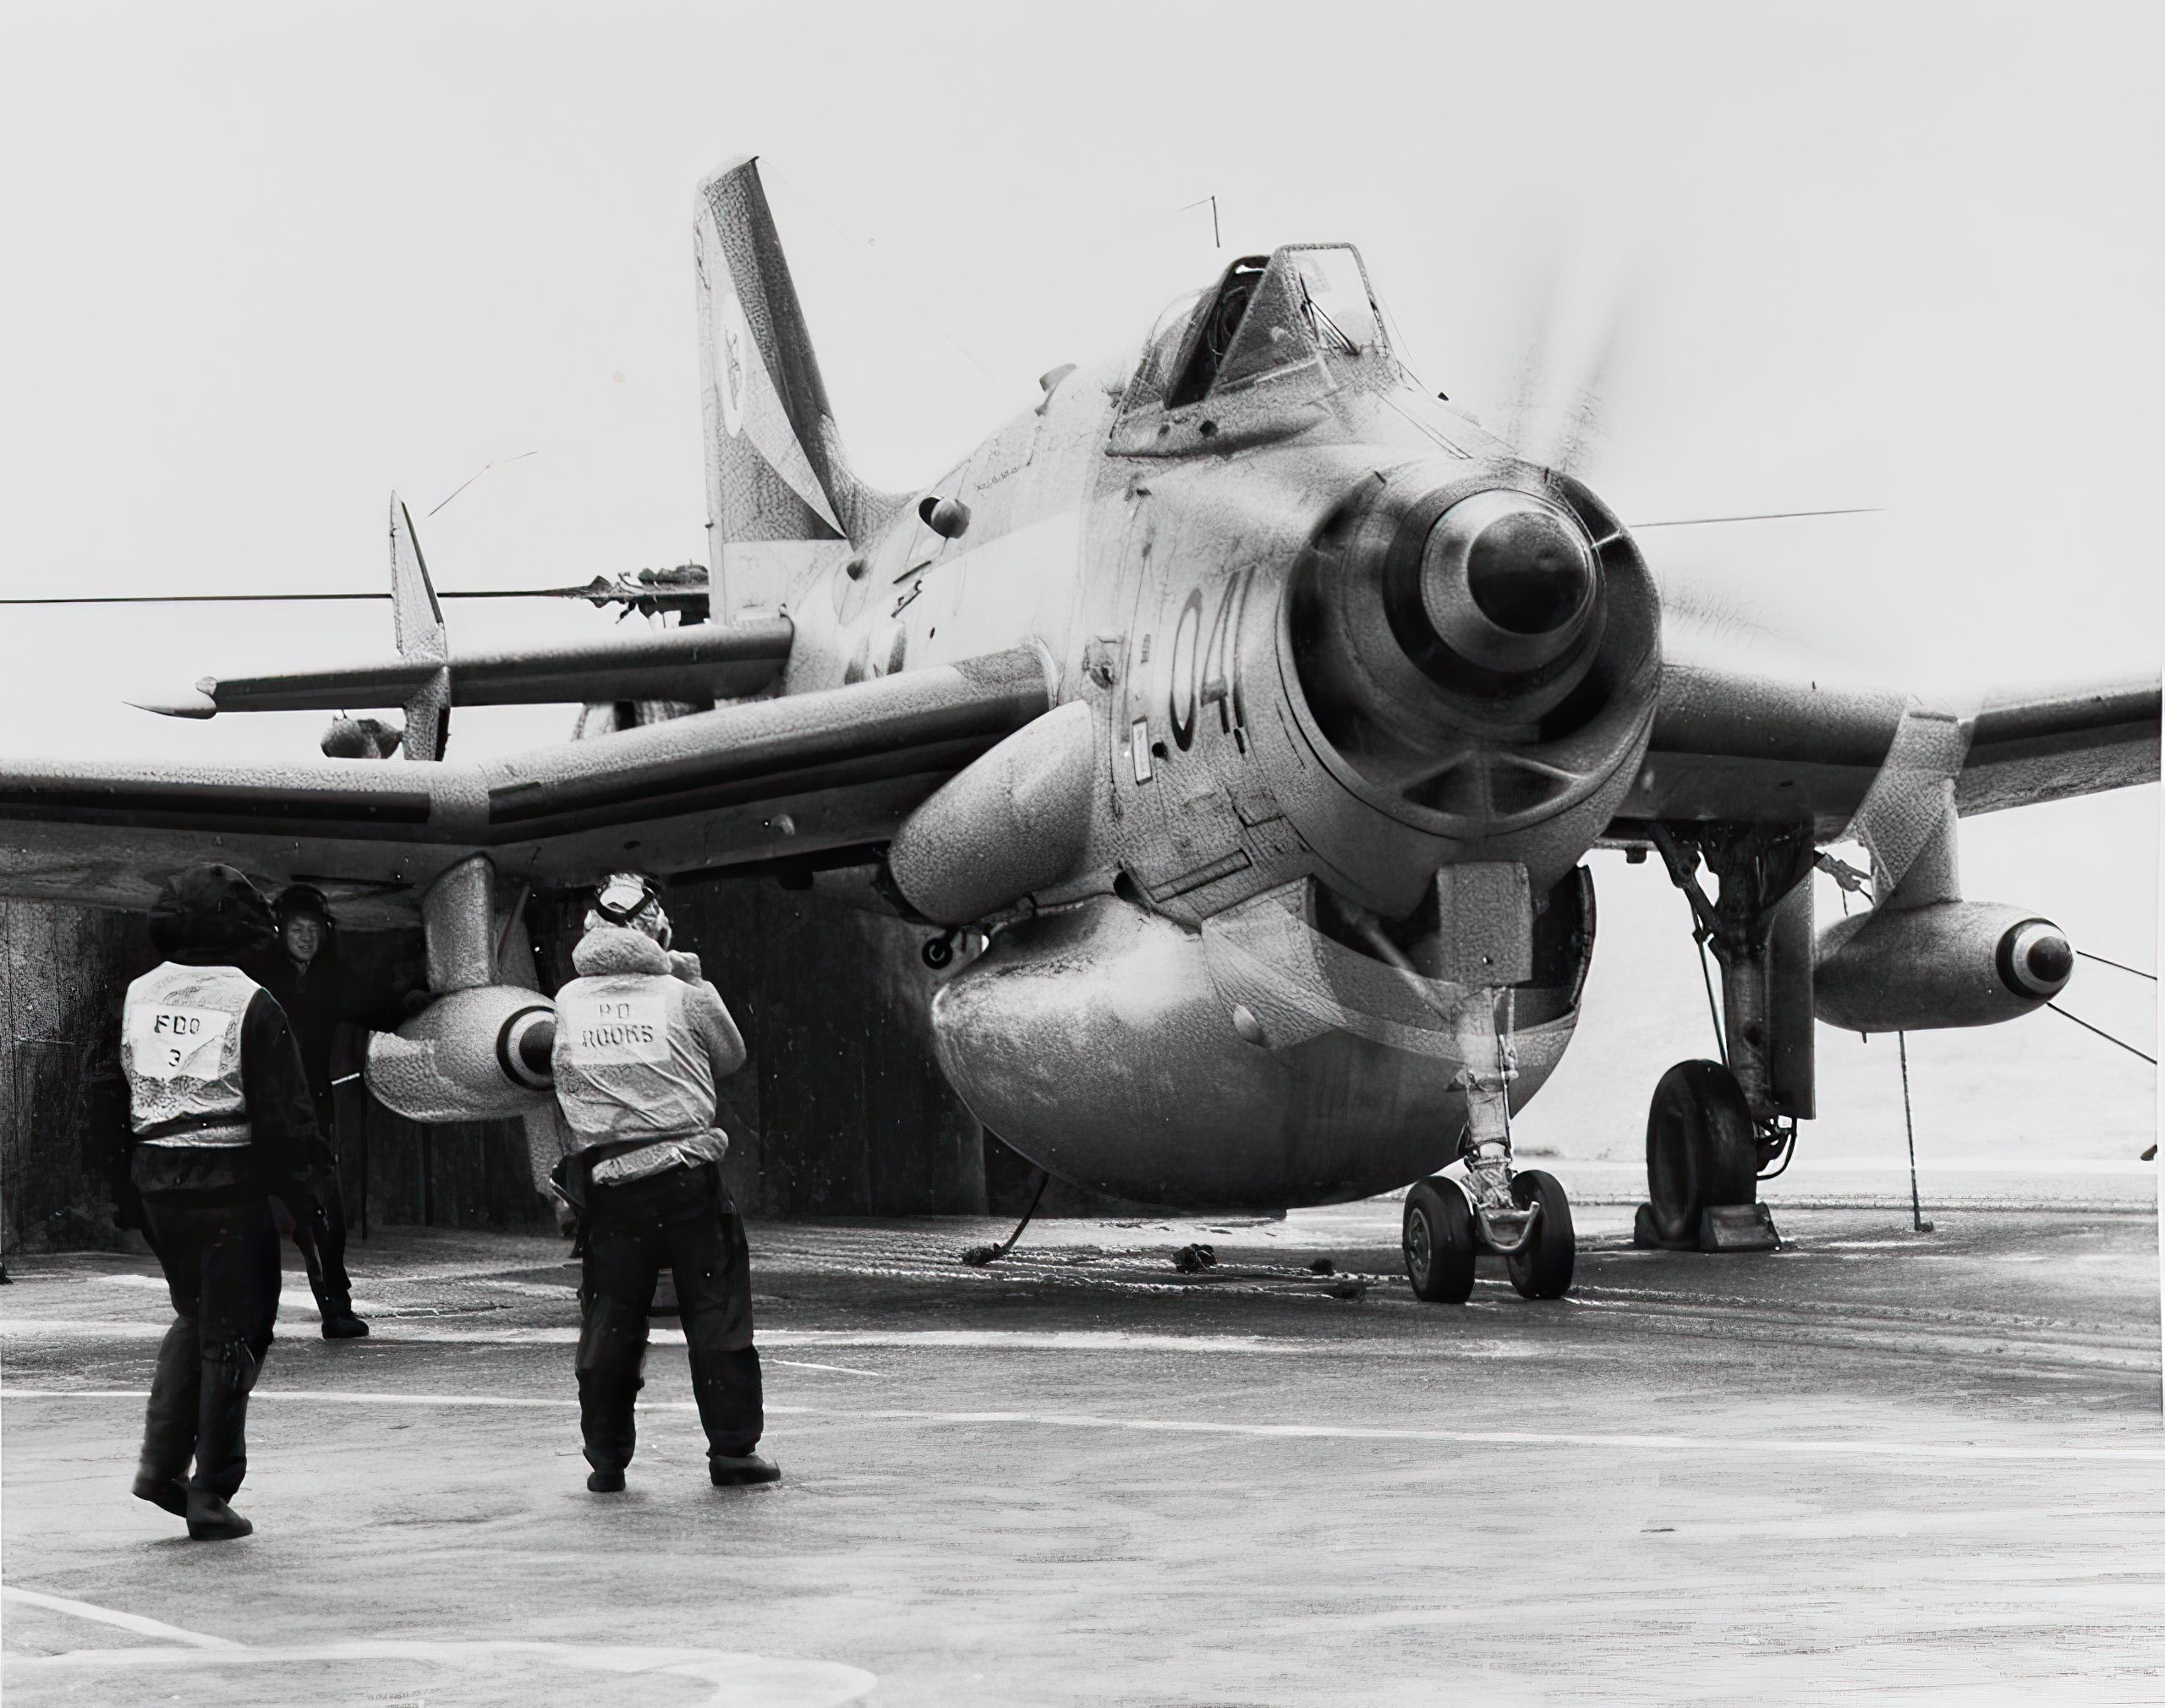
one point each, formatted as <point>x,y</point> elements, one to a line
<point>1438,1241</point>
<point>1545,1268</point>
<point>1701,1148</point>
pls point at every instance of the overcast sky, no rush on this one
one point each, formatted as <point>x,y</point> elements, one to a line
<point>266,264</point>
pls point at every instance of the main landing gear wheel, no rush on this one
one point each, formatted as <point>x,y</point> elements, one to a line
<point>1438,1236</point>
<point>1700,1147</point>
<point>1542,1268</point>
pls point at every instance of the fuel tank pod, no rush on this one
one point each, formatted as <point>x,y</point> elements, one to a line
<point>1949,963</point>
<point>475,1054</point>
<point>1014,820</point>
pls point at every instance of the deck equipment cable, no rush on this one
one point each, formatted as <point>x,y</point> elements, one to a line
<point>2106,1036</point>
<point>978,1256</point>
<point>2102,961</point>
<point>1721,1041</point>
<point>1917,1223</point>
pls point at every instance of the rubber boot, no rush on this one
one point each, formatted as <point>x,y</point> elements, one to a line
<point>171,1493</point>
<point>322,1242</point>
<point>229,1371</point>
<point>728,1470</point>
<point>210,1520</point>
<point>611,1362</point>
<point>170,1419</point>
<point>339,1322</point>
<point>606,1482</point>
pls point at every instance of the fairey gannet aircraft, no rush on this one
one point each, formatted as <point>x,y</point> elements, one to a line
<point>1252,707</point>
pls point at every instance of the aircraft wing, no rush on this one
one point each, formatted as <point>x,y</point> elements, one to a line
<point>1747,749</point>
<point>764,779</point>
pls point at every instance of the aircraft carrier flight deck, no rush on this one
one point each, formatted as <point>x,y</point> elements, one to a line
<point>1875,1463</point>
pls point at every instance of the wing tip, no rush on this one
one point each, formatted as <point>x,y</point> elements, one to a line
<point>193,703</point>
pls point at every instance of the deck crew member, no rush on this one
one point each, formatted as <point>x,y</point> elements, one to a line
<point>221,1119</point>
<point>313,986</point>
<point>641,1041</point>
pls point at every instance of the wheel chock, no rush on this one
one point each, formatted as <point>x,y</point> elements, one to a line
<point>1722,1227</point>
<point>1738,1227</point>
<point>1646,1234</point>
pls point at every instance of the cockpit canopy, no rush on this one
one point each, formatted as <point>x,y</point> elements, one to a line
<point>1294,323</point>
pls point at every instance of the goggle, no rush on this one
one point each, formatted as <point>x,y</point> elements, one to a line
<point>624,897</point>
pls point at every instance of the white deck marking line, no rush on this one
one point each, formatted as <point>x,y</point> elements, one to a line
<point>838,1369</point>
<point>412,1330</point>
<point>740,1680</point>
<point>333,1396</point>
<point>108,1616</point>
<point>1279,1432</point>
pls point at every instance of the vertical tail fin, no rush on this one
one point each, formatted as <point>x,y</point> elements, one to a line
<point>417,621</point>
<point>775,465</point>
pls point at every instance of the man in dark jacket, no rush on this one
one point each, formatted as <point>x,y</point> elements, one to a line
<point>220,1119</point>
<point>305,972</point>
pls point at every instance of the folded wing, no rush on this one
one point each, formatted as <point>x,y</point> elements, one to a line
<point>701,662</point>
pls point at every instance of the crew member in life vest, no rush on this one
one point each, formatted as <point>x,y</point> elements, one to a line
<point>221,1119</point>
<point>641,1041</point>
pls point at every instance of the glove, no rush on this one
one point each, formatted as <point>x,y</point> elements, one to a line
<point>684,964</point>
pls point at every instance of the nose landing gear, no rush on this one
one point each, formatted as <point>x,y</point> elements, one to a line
<point>1525,1218</point>
<point>1442,1234</point>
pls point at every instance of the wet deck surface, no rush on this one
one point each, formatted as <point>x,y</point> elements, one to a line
<point>1876,1463</point>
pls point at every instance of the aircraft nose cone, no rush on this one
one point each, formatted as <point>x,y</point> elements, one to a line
<point>1507,581</point>
<point>2035,958</point>
<point>1529,573</point>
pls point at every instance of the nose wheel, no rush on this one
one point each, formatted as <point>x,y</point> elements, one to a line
<point>1549,1252</point>
<point>1441,1235</point>
<point>1438,1241</point>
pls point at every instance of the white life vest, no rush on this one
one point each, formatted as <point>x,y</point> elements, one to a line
<point>180,1048</point>
<point>627,1064</point>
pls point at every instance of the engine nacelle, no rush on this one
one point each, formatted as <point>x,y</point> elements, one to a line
<point>1951,963</point>
<point>471,1055</point>
<point>1476,655</point>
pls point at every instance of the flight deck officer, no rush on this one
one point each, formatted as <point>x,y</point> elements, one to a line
<point>220,1119</point>
<point>641,1040</point>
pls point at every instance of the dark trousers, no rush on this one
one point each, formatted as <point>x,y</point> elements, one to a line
<point>681,1220</point>
<point>222,1268</point>
<point>322,1243</point>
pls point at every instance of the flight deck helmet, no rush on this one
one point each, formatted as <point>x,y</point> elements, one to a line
<point>630,900</point>
<point>209,911</point>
